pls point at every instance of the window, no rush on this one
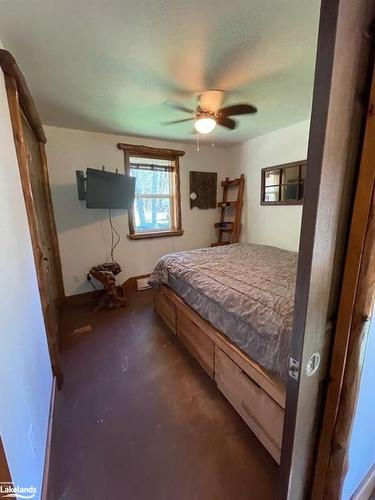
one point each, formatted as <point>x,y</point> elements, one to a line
<point>157,204</point>
<point>283,184</point>
<point>154,199</point>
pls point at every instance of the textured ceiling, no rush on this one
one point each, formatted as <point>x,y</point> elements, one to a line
<point>110,65</point>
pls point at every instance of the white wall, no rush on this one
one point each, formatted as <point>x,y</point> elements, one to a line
<point>84,235</point>
<point>25,373</point>
<point>273,225</point>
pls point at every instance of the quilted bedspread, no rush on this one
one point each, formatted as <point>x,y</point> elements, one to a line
<point>246,291</point>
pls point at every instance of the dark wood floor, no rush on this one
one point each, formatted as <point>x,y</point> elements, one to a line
<point>138,419</point>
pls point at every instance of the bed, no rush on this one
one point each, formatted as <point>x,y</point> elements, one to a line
<point>232,307</point>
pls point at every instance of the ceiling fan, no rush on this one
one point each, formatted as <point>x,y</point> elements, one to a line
<point>206,118</point>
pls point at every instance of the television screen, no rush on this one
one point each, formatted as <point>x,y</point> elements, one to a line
<point>109,190</point>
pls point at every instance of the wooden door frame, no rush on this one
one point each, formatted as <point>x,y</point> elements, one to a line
<point>336,135</point>
<point>5,475</point>
<point>21,101</point>
<point>354,312</point>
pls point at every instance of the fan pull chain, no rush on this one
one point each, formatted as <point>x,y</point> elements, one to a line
<point>198,141</point>
<point>213,140</point>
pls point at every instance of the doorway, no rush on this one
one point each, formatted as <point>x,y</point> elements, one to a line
<point>353,337</point>
<point>339,110</point>
<point>5,477</point>
<point>29,141</point>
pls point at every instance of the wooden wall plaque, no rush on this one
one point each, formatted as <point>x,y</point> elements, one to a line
<point>203,188</point>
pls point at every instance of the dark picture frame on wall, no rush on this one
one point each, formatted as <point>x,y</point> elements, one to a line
<point>203,189</point>
<point>283,184</point>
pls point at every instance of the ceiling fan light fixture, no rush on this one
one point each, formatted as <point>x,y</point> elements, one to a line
<point>205,125</point>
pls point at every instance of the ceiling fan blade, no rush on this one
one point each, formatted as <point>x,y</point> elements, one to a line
<point>178,106</point>
<point>178,121</point>
<point>238,109</point>
<point>227,123</point>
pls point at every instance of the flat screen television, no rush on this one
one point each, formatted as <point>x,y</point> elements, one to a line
<point>109,190</point>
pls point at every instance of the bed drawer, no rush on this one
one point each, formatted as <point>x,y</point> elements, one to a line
<point>260,412</point>
<point>166,310</point>
<point>197,342</point>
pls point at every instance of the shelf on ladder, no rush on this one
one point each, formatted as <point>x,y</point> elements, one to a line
<point>233,182</point>
<point>223,204</point>
<point>226,227</point>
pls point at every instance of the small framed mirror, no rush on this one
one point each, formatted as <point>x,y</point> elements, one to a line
<point>283,184</point>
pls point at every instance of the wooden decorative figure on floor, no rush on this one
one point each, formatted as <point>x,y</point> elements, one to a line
<point>231,227</point>
<point>203,187</point>
<point>113,295</point>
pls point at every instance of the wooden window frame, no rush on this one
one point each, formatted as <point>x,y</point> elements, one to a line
<point>159,154</point>
<point>293,164</point>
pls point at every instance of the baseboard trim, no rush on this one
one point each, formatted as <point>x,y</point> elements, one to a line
<point>47,456</point>
<point>366,486</point>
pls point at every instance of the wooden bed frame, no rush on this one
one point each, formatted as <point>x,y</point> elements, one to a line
<point>256,395</point>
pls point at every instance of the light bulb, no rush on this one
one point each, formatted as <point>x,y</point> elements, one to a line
<point>205,125</point>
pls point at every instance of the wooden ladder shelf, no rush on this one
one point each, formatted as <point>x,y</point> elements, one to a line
<point>231,227</point>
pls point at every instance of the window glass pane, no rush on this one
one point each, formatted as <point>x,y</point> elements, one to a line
<point>151,181</point>
<point>135,160</point>
<point>272,177</point>
<point>290,174</point>
<point>289,192</point>
<point>152,214</point>
<point>284,184</point>
<point>271,194</point>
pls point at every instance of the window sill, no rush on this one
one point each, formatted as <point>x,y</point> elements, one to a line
<point>290,202</point>
<point>157,234</point>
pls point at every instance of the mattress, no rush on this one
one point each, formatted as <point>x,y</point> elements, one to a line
<point>245,291</point>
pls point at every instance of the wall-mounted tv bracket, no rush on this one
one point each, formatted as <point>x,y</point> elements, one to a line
<point>81,185</point>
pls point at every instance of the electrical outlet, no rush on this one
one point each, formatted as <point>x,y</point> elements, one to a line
<point>32,439</point>
<point>76,278</point>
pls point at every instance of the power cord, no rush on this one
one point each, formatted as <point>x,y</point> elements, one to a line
<point>113,232</point>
